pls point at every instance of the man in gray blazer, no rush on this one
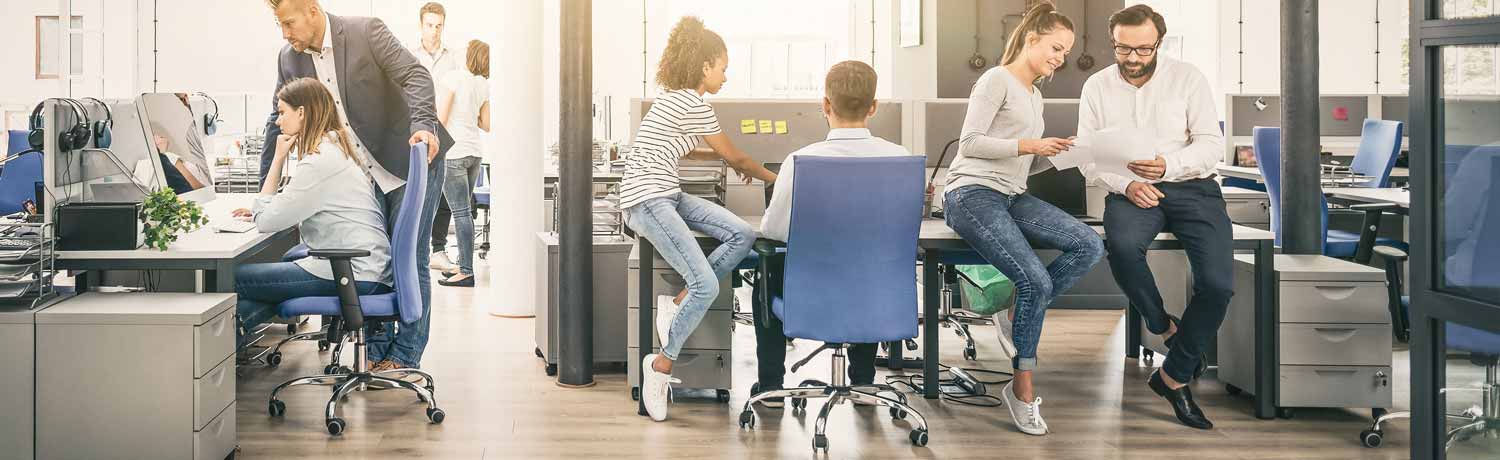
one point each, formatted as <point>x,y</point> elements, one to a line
<point>386,99</point>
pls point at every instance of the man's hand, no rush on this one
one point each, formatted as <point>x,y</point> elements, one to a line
<point>1145,196</point>
<point>1149,169</point>
<point>744,177</point>
<point>430,139</point>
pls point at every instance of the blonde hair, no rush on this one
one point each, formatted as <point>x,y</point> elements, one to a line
<point>850,87</point>
<point>1041,20</point>
<point>321,116</point>
<point>688,48</point>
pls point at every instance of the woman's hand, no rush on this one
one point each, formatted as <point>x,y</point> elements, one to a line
<point>1045,147</point>
<point>284,145</point>
<point>241,212</point>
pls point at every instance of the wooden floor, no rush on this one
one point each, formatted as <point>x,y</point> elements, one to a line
<point>500,404</point>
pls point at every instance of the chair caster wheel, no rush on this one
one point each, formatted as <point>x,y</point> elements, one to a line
<point>291,329</point>
<point>820,442</point>
<point>335,426</point>
<point>918,437</point>
<point>1285,413</point>
<point>722,396</point>
<point>971,354</point>
<point>551,370</point>
<point>1371,438</point>
<point>747,420</point>
<point>323,345</point>
<point>436,416</point>
<point>1149,357</point>
<point>897,414</point>
<point>1377,413</point>
<point>274,359</point>
<point>330,369</point>
<point>635,394</point>
<point>1232,390</point>
<point>799,404</point>
<point>277,408</point>
<point>539,353</point>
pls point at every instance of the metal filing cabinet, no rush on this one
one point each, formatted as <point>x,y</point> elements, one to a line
<point>609,299</point>
<point>136,375</point>
<point>17,382</point>
<point>706,361</point>
<point>1335,333</point>
<point>1251,208</point>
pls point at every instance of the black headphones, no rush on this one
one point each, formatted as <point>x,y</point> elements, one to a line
<point>210,120</point>
<point>73,138</point>
<point>101,129</point>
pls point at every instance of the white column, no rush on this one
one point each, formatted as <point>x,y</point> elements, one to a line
<point>515,157</point>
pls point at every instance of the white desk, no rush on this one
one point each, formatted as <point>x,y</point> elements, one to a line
<point>1393,196</point>
<point>1251,173</point>
<point>203,249</point>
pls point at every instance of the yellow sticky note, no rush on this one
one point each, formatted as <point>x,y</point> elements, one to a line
<point>780,126</point>
<point>766,127</point>
<point>747,126</point>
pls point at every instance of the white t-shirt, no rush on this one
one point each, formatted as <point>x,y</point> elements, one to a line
<point>470,92</point>
<point>669,131</point>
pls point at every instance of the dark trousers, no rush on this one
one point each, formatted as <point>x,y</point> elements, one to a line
<point>1194,212</point>
<point>440,224</point>
<point>770,341</point>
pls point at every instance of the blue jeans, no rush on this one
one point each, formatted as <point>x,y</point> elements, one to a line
<point>406,344</point>
<point>261,287</point>
<point>668,222</point>
<point>458,189</point>
<point>1004,229</point>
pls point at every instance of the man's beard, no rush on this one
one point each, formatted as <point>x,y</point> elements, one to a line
<point>1142,72</point>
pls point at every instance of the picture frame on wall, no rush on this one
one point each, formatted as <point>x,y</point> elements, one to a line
<point>911,23</point>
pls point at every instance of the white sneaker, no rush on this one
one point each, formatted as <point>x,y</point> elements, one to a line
<point>666,312</point>
<point>439,261</point>
<point>657,389</point>
<point>1028,417</point>
<point>1004,328</point>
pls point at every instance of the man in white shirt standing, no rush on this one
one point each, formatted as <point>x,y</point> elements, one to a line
<point>440,62</point>
<point>848,103</point>
<point>1175,192</point>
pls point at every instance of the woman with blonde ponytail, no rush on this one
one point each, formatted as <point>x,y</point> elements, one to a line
<point>987,204</point>
<point>655,207</point>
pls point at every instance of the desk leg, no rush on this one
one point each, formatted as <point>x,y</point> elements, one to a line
<point>894,359</point>
<point>220,279</point>
<point>81,282</point>
<point>646,300</point>
<point>931,297</point>
<point>1267,369</point>
<point>1132,332</point>
<point>1368,231</point>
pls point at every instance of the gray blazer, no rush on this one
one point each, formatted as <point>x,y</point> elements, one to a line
<point>388,92</point>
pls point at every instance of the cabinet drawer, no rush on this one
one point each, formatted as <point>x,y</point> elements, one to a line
<point>217,439</point>
<point>212,341</point>
<point>212,393</point>
<point>1335,386</point>
<point>1336,344</point>
<point>668,282</point>
<point>714,332</point>
<point>698,369</point>
<point>1334,302</point>
<point>1248,211</point>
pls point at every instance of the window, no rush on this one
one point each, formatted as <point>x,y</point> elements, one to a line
<point>777,48</point>
<point>1470,215</point>
<point>47,50</point>
<point>1461,9</point>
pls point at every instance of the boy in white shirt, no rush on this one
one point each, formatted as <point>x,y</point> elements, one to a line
<point>848,103</point>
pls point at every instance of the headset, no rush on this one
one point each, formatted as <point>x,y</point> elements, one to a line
<point>70,139</point>
<point>102,136</point>
<point>210,120</point>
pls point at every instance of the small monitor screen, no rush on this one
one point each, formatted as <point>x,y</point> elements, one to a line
<point>177,139</point>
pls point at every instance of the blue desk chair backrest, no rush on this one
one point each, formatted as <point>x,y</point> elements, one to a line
<point>404,237</point>
<point>18,178</point>
<point>1379,145</point>
<point>1267,145</point>
<point>16,142</point>
<point>849,274</point>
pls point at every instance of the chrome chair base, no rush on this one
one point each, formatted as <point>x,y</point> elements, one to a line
<point>837,393</point>
<point>1481,420</point>
<point>360,379</point>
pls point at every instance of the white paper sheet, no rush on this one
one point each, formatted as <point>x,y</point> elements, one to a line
<point>1109,150</point>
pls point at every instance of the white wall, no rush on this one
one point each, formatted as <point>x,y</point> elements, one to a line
<point>1348,40</point>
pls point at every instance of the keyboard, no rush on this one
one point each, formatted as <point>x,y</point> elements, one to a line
<point>233,226</point>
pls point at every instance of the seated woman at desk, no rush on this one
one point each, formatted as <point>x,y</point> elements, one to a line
<point>330,200</point>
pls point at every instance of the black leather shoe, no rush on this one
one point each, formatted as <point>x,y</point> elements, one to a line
<point>1182,403</point>
<point>466,282</point>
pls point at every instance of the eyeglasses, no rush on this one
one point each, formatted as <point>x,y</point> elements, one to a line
<point>1145,51</point>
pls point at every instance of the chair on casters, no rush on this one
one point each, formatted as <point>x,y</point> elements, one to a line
<point>1336,243</point>
<point>272,356</point>
<point>482,203</point>
<point>954,318</point>
<point>19,175</point>
<point>404,304</point>
<point>843,287</point>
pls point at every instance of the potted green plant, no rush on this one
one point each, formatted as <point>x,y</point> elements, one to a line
<point>164,216</point>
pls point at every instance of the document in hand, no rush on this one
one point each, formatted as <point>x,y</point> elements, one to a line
<point>1109,150</point>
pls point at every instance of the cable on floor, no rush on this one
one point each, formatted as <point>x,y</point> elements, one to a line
<point>916,384</point>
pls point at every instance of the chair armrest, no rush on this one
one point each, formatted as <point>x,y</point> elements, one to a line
<point>767,248</point>
<point>1390,253</point>
<point>337,253</point>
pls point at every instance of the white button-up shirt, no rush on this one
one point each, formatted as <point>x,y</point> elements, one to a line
<point>842,142</point>
<point>327,70</point>
<point>438,64</point>
<point>1176,104</point>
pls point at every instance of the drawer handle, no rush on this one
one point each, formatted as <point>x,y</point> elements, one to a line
<point>1336,334</point>
<point>1335,292</point>
<point>217,328</point>
<point>219,379</point>
<point>1334,371</point>
<point>218,427</point>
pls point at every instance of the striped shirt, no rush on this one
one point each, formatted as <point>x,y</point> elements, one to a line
<point>668,132</point>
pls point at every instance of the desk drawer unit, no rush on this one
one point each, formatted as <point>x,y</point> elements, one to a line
<point>1336,344</point>
<point>1254,211</point>
<point>137,375</point>
<point>715,332</point>
<point>1333,302</point>
<point>668,282</point>
<point>698,369</point>
<point>1335,386</point>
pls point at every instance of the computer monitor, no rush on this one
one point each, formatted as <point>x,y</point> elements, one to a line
<point>177,141</point>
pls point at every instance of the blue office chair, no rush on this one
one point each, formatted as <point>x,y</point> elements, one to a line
<point>404,304</point>
<point>1336,243</point>
<point>18,178</point>
<point>842,286</point>
<point>1379,145</point>
<point>16,142</point>
<point>482,203</point>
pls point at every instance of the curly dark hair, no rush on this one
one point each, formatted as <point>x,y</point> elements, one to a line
<point>690,46</point>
